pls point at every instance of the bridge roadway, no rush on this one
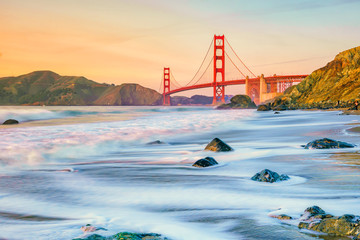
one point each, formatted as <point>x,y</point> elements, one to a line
<point>272,79</point>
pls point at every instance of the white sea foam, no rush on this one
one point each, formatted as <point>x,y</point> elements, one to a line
<point>25,114</point>
<point>105,174</point>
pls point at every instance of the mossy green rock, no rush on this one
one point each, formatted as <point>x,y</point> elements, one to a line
<point>218,145</point>
<point>156,142</point>
<point>315,219</point>
<point>267,175</point>
<point>205,162</point>
<point>126,236</point>
<point>11,121</point>
<point>326,143</point>
<point>239,102</point>
<point>335,85</point>
<point>263,107</point>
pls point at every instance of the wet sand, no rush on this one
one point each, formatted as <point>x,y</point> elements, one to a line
<point>351,112</point>
<point>354,129</point>
<point>351,158</point>
<point>74,120</point>
<point>27,217</point>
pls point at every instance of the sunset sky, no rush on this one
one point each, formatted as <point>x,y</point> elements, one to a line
<point>122,41</point>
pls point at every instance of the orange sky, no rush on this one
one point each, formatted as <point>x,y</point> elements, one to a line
<point>118,41</point>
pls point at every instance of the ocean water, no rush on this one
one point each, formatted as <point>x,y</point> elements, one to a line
<point>64,167</point>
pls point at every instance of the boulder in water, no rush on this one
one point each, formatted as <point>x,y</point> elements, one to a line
<point>267,175</point>
<point>217,145</point>
<point>205,162</point>
<point>315,219</point>
<point>239,102</point>
<point>263,107</point>
<point>156,142</point>
<point>326,143</point>
<point>310,212</point>
<point>126,236</point>
<point>11,121</point>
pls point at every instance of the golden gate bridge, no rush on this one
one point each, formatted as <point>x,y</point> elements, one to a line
<point>212,74</point>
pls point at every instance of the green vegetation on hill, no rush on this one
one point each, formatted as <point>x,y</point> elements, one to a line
<point>336,84</point>
<point>49,88</point>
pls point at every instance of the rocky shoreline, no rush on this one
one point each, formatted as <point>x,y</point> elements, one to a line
<point>285,103</point>
<point>333,86</point>
<point>316,219</point>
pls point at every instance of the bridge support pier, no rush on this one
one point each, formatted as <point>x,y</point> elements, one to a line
<point>247,90</point>
<point>166,97</point>
<point>219,68</point>
<point>263,88</point>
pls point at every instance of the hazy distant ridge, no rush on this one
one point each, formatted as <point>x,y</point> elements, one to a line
<point>49,88</point>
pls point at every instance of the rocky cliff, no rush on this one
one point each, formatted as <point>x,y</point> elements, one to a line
<point>336,84</point>
<point>49,88</point>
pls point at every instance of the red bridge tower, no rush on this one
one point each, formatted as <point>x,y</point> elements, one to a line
<point>166,97</point>
<point>219,69</point>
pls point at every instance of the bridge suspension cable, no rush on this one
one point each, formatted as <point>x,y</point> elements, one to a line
<point>202,63</point>
<point>161,84</point>
<point>235,65</point>
<point>212,60</point>
<point>174,82</point>
<point>239,58</point>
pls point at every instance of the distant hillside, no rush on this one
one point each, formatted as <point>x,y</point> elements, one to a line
<point>194,100</point>
<point>49,88</point>
<point>336,84</point>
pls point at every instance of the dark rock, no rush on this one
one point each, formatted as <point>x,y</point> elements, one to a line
<point>239,102</point>
<point>281,217</point>
<point>205,162</point>
<point>137,236</point>
<point>263,107</point>
<point>269,176</point>
<point>281,103</point>
<point>244,100</point>
<point>224,106</point>
<point>311,212</point>
<point>284,177</point>
<point>11,121</point>
<point>157,142</point>
<point>326,143</point>
<point>126,236</point>
<point>217,145</point>
<point>276,112</point>
<point>315,219</point>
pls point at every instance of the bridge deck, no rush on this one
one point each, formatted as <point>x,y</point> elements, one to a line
<point>283,79</point>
